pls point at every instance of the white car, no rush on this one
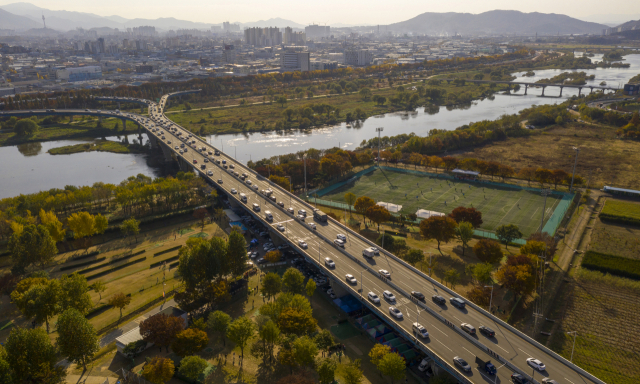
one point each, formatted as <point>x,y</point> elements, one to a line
<point>219,180</point>
<point>351,279</point>
<point>248,182</point>
<point>233,190</point>
<point>537,364</point>
<point>384,273</point>
<point>420,330</point>
<point>255,187</point>
<point>395,312</point>
<point>389,296</point>
<point>329,263</point>
<point>302,212</point>
<point>290,210</point>
<point>312,225</point>
<point>342,237</point>
<point>280,227</point>
<point>302,244</point>
<point>373,297</point>
<point>339,243</point>
<point>301,217</point>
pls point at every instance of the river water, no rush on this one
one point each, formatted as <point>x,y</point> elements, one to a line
<point>28,170</point>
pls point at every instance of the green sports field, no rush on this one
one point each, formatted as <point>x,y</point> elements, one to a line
<point>499,205</point>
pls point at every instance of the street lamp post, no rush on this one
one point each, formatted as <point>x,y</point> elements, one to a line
<point>574,167</point>
<point>304,160</point>
<point>379,130</point>
<point>575,334</point>
<point>491,298</point>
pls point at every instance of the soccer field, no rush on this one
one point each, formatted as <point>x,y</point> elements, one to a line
<point>499,205</point>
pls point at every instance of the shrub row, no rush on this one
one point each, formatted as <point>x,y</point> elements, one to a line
<point>615,265</point>
<point>174,264</point>
<point>167,251</point>
<point>83,264</point>
<point>85,256</point>
<point>108,271</point>
<point>619,219</point>
<point>394,233</point>
<point>98,310</point>
<point>113,261</point>
<point>159,263</point>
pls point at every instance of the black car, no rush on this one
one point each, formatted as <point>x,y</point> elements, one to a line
<point>487,331</point>
<point>417,295</point>
<point>438,300</point>
<point>519,379</point>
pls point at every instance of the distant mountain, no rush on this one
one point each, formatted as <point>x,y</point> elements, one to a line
<point>495,22</point>
<point>611,19</point>
<point>10,21</point>
<point>629,25</point>
<point>274,22</point>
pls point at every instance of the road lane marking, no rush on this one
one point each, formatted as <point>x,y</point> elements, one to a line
<point>468,351</point>
<point>436,328</point>
<point>568,380</point>
<point>525,353</point>
<point>483,375</point>
<point>444,345</point>
<point>501,348</point>
<point>457,319</point>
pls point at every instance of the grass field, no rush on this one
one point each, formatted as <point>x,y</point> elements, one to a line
<point>498,205</point>
<point>615,239</point>
<point>622,208</point>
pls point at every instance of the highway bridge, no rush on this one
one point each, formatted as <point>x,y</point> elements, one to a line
<point>541,85</point>
<point>509,349</point>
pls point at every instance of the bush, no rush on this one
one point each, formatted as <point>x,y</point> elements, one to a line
<point>622,212</point>
<point>98,310</point>
<point>114,261</point>
<point>85,256</point>
<point>82,264</point>
<point>108,271</point>
<point>167,251</point>
<point>615,265</point>
<point>159,263</point>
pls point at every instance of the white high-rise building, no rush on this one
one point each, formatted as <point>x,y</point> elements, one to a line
<point>358,57</point>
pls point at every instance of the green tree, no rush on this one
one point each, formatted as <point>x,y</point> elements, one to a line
<point>293,281</point>
<point>75,293</point>
<point>218,322</point>
<point>32,245</point>
<point>464,233</point>
<point>77,340</point>
<point>378,352</point>
<point>414,256</point>
<point>326,369</point>
<point>99,287</point>
<point>439,228</point>
<point>305,350</point>
<point>189,342</point>
<point>310,288</point>
<point>324,340</point>
<point>282,100</point>
<point>351,372</point>
<point>240,331</point>
<point>508,232</point>
<point>269,334</point>
<point>41,301</point>
<point>392,365</point>
<point>237,253</point>
<point>6,376</point>
<point>26,128</point>
<point>159,370</point>
<point>120,301</point>
<point>488,251</point>
<point>482,273</point>
<point>192,367</point>
<point>30,354</point>
<point>365,94</point>
<point>350,199</point>
<point>452,276</point>
<point>271,285</point>
<point>130,227</point>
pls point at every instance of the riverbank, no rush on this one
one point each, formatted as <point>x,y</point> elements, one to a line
<point>99,146</point>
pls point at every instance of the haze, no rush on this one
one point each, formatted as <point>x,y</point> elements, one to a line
<point>354,12</point>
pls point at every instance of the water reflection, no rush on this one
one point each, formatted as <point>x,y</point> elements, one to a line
<point>30,149</point>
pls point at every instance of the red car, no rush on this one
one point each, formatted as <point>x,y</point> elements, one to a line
<point>195,161</point>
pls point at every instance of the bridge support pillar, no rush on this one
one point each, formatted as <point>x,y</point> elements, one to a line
<point>124,124</point>
<point>153,141</point>
<point>167,152</point>
<point>184,165</point>
<point>525,88</point>
<point>543,88</point>
<point>561,88</point>
<point>579,91</point>
<point>591,90</point>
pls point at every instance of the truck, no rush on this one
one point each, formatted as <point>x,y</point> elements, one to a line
<point>268,215</point>
<point>369,252</point>
<point>243,197</point>
<point>319,215</point>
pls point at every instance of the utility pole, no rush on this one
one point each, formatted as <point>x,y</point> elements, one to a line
<point>575,334</point>
<point>491,298</point>
<point>379,130</point>
<point>574,167</point>
<point>304,160</point>
<point>545,192</point>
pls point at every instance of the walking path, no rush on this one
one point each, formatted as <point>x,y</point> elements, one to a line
<point>113,335</point>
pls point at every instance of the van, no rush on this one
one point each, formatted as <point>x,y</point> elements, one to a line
<point>243,197</point>
<point>368,252</point>
<point>420,330</point>
<point>268,215</point>
<point>319,215</point>
<point>457,302</point>
<point>268,192</point>
<point>256,207</point>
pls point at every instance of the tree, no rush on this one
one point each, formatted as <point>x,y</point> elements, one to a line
<point>548,240</point>
<point>273,256</point>
<point>236,253</point>
<point>201,215</point>
<point>392,365</point>
<point>542,175</point>
<point>26,128</point>
<point>557,176</point>
<point>351,372</point>
<point>189,342</point>
<point>271,285</point>
<point>84,225</point>
<point>365,94</point>
<point>350,199</point>
<point>192,366</point>
<point>282,100</point>
<point>310,288</point>
<point>362,205</point>
<point>40,301</point>
<point>159,370</point>
<point>482,273</point>
<point>302,377</point>
<point>6,376</point>
<point>439,228</point>
<point>414,256</point>
<point>120,301</point>
<point>75,293</point>
<point>32,245</point>
<point>480,295</point>
<point>269,334</point>
<point>518,274</point>
<point>218,322</point>
<point>508,232</point>
<point>326,369</point>
<point>532,247</point>
<point>161,329</point>
<point>470,215</point>
<point>378,352</point>
<point>293,281</point>
<point>53,225</point>
<point>99,287</point>
<point>488,251</point>
<point>30,353</point>
<point>527,174</point>
<point>452,276</point>
<point>296,321</point>
<point>464,233</point>
<point>240,331</point>
<point>305,350</point>
<point>324,340</point>
<point>130,227</point>
<point>77,340</point>
<point>443,378</point>
<point>378,215</point>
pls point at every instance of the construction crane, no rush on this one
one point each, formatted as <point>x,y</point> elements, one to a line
<point>44,22</point>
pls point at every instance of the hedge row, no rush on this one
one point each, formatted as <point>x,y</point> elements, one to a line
<point>99,309</point>
<point>167,251</point>
<point>85,256</point>
<point>174,264</point>
<point>113,261</point>
<point>615,265</point>
<point>83,264</point>
<point>394,233</point>
<point>108,271</point>
<point>159,263</point>
<point>619,219</point>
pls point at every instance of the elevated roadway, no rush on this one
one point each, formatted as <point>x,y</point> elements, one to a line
<point>541,85</point>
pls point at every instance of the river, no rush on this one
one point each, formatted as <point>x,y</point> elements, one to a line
<point>28,171</point>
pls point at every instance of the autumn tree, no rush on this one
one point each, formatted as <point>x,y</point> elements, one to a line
<point>362,205</point>
<point>350,199</point>
<point>378,352</point>
<point>439,228</point>
<point>470,215</point>
<point>550,242</point>
<point>130,227</point>
<point>77,340</point>
<point>85,225</point>
<point>273,256</point>
<point>378,215</point>
<point>351,373</point>
<point>518,274</point>
<point>189,342</point>
<point>464,233</point>
<point>53,225</point>
<point>271,285</point>
<point>507,233</point>
<point>488,250</point>
<point>240,331</point>
<point>296,322</point>
<point>161,329</point>
<point>120,301</point>
<point>159,370</point>
<point>310,288</point>
<point>31,245</point>
<point>527,174</point>
<point>557,176</point>
<point>480,295</point>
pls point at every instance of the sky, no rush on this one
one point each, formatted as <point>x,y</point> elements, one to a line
<point>353,12</point>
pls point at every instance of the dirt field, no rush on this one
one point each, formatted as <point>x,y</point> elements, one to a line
<point>616,239</point>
